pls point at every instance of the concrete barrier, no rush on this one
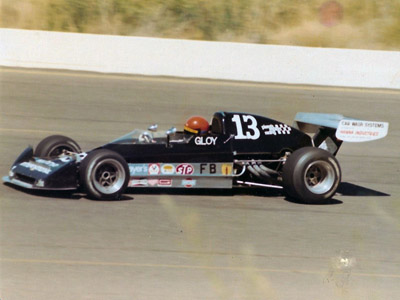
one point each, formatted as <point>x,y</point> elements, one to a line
<point>200,59</point>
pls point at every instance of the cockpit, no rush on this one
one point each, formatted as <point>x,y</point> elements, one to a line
<point>152,136</point>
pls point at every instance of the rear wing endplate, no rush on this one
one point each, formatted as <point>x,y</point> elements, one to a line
<point>330,130</point>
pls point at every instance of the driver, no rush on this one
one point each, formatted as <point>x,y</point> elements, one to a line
<point>196,125</point>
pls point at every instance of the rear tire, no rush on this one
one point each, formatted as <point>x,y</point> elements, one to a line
<point>311,175</point>
<point>55,145</point>
<point>104,175</point>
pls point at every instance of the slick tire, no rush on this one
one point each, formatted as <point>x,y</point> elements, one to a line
<point>311,175</point>
<point>54,145</point>
<point>104,175</point>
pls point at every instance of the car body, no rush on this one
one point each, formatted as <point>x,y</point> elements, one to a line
<point>240,149</point>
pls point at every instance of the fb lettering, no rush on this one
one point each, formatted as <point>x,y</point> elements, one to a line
<point>212,168</point>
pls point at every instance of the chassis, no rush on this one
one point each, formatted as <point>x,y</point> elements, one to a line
<point>240,150</point>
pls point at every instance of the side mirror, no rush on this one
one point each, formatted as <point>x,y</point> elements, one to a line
<point>171,130</point>
<point>153,128</point>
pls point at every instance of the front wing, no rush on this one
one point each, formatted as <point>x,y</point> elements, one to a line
<point>42,174</point>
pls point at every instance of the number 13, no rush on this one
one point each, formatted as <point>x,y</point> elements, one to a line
<point>251,131</point>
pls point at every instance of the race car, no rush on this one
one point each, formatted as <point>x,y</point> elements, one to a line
<point>235,150</point>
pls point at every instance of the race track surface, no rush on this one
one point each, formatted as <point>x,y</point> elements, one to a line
<point>240,245</point>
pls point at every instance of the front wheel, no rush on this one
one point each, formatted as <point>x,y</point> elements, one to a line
<point>55,145</point>
<point>104,175</point>
<point>311,175</point>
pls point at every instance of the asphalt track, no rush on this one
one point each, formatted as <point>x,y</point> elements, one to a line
<point>240,245</point>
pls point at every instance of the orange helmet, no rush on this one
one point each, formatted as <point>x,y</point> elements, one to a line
<point>196,125</point>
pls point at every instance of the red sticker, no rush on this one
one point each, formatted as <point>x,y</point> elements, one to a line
<point>189,182</point>
<point>165,182</point>
<point>184,169</point>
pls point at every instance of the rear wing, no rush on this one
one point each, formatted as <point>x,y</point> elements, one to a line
<point>330,130</point>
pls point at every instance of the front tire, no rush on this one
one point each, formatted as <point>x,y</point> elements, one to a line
<point>311,175</point>
<point>55,145</point>
<point>104,175</point>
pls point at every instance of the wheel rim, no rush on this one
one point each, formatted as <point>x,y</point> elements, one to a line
<point>319,177</point>
<point>108,176</point>
<point>57,151</point>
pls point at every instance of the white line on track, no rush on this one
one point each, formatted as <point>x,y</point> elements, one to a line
<point>193,267</point>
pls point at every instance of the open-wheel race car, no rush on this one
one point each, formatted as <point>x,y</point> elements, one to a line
<point>235,150</point>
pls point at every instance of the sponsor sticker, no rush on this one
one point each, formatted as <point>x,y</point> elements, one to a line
<point>154,169</point>
<point>165,182</point>
<point>34,167</point>
<point>47,163</point>
<point>189,182</point>
<point>138,169</point>
<point>167,169</point>
<point>184,169</point>
<point>208,168</point>
<point>138,182</point>
<point>152,182</point>
<point>276,129</point>
<point>205,141</point>
<point>361,131</point>
<point>226,169</point>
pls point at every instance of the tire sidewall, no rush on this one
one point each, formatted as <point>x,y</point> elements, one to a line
<point>89,164</point>
<point>295,172</point>
<point>50,143</point>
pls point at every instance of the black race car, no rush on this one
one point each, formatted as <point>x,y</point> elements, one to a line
<point>236,150</point>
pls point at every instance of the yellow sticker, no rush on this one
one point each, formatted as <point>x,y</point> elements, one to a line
<point>226,169</point>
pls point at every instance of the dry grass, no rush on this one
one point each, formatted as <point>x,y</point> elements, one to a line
<point>366,24</point>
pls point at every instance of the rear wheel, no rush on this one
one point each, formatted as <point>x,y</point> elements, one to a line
<point>55,145</point>
<point>311,175</point>
<point>104,174</point>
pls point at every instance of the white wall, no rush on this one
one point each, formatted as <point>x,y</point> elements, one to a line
<point>199,59</point>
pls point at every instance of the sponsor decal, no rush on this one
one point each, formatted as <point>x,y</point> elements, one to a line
<point>138,169</point>
<point>276,129</point>
<point>152,182</point>
<point>165,182</point>
<point>208,168</point>
<point>138,182</point>
<point>47,163</point>
<point>33,167</point>
<point>189,182</point>
<point>226,169</point>
<point>167,169</point>
<point>205,141</point>
<point>185,169</point>
<point>154,169</point>
<point>361,131</point>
